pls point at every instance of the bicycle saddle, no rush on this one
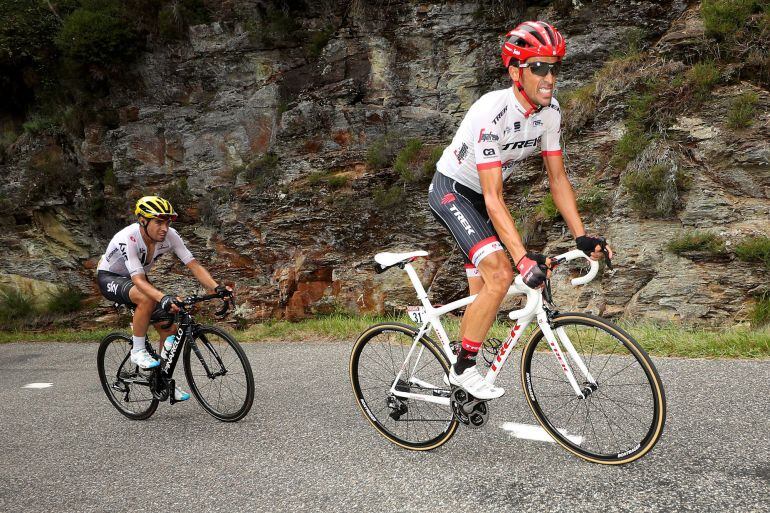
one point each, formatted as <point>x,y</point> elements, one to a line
<point>387,260</point>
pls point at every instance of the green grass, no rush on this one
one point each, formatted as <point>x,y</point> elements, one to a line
<point>652,192</point>
<point>547,208</point>
<point>760,313</point>
<point>754,249</point>
<point>390,197</point>
<point>697,241</point>
<point>702,77</point>
<point>722,18</point>
<point>15,306</point>
<point>593,200</point>
<point>405,160</point>
<point>657,339</point>
<point>742,110</point>
<point>65,300</point>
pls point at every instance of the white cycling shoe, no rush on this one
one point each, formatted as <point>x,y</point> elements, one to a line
<point>180,395</point>
<point>143,359</point>
<point>472,382</point>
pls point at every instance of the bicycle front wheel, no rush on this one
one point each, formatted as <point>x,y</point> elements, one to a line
<point>422,421</point>
<point>126,385</point>
<point>619,414</point>
<point>219,374</point>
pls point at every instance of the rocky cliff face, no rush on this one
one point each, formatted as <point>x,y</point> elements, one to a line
<point>280,155</point>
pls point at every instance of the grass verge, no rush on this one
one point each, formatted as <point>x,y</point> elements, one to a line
<point>657,339</point>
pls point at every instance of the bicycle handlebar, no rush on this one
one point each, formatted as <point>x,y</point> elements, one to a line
<point>574,255</point>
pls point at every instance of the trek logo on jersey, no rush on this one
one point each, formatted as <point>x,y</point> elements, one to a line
<point>461,153</point>
<point>448,198</point>
<point>521,144</point>
<point>487,137</point>
<point>499,115</point>
<point>112,287</point>
<point>463,221</point>
<point>489,152</point>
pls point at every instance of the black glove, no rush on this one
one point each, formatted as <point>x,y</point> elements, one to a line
<point>588,244</point>
<point>222,291</point>
<point>533,269</point>
<point>166,302</point>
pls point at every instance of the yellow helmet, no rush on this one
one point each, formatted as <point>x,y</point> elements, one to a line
<point>154,206</point>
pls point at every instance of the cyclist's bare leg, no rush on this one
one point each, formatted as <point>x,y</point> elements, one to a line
<point>143,311</point>
<point>474,286</point>
<point>497,276</point>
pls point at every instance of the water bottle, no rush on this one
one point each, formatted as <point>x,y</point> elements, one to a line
<point>167,345</point>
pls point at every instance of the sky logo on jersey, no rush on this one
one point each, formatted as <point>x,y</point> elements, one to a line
<point>463,221</point>
<point>521,144</point>
<point>448,198</point>
<point>487,137</point>
<point>461,153</point>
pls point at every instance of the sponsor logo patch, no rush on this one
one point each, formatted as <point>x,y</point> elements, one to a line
<point>112,287</point>
<point>448,198</point>
<point>487,137</point>
<point>521,144</point>
<point>537,122</point>
<point>499,115</point>
<point>489,152</point>
<point>463,221</point>
<point>461,153</point>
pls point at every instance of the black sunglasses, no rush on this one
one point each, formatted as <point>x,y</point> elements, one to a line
<point>541,69</point>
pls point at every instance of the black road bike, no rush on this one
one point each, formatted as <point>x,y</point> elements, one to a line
<point>215,365</point>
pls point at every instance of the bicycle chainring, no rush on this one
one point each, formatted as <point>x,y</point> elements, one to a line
<point>467,409</point>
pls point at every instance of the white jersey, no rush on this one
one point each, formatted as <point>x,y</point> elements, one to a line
<point>126,254</point>
<point>496,133</point>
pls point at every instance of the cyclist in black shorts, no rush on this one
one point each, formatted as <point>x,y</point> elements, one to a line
<point>122,274</point>
<point>466,195</point>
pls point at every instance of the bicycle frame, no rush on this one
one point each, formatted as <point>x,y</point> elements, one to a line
<point>532,310</point>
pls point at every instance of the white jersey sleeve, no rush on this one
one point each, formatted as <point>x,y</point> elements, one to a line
<point>550,143</point>
<point>133,255</point>
<point>178,246</point>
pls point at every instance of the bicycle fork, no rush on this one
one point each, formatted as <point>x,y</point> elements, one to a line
<point>553,343</point>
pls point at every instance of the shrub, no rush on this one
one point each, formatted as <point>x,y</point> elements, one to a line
<point>98,33</point>
<point>754,249</point>
<point>178,194</point>
<point>390,197</point>
<point>110,180</point>
<point>547,208</point>
<point>15,305</point>
<point>38,123</point>
<point>632,142</point>
<point>592,201</point>
<point>262,171</point>
<point>703,76</point>
<point>697,241</point>
<point>65,300</point>
<point>429,167</point>
<point>760,313</point>
<point>381,152</point>
<point>406,158</point>
<point>742,110</point>
<point>654,191</point>
<point>175,17</point>
<point>337,181</point>
<point>579,106</point>
<point>319,40</point>
<point>50,175</point>
<point>334,181</point>
<point>722,18</point>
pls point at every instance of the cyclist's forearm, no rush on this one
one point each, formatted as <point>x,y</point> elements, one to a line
<point>202,275</point>
<point>563,194</point>
<point>505,227</point>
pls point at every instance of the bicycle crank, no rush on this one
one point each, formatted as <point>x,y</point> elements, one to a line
<point>467,409</point>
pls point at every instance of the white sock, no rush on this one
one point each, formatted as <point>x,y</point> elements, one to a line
<point>138,344</point>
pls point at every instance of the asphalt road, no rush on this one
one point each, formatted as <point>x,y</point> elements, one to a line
<point>306,447</point>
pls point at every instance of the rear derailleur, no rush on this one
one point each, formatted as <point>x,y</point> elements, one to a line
<point>467,409</point>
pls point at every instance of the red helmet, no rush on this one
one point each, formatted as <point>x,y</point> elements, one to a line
<point>533,39</point>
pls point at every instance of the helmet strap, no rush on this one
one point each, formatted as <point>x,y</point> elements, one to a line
<point>532,107</point>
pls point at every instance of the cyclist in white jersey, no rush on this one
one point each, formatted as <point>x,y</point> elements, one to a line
<point>122,274</point>
<point>466,195</point>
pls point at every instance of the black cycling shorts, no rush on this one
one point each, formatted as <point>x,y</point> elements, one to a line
<point>115,287</point>
<point>463,212</point>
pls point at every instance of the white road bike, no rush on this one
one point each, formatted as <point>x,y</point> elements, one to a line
<point>589,384</point>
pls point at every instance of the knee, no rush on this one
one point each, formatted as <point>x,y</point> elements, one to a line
<point>145,301</point>
<point>500,278</point>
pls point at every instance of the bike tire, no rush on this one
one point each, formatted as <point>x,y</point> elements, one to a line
<point>412,433</point>
<point>632,427</point>
<point>114,368</point>
<point>238,373</point>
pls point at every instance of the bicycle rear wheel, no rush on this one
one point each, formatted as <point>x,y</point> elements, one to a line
<point>419,423</point>
<point>219,374</point>
<point>127,387</point>
<point>622,415</point>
